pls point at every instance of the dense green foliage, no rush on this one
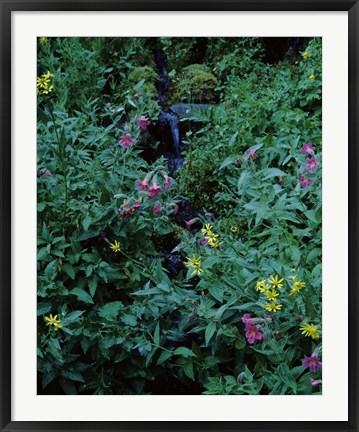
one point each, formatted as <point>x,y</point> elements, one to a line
<point>134,298</point>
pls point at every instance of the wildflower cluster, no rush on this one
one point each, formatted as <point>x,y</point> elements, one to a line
<point>194,263</point>
<point>268,287</point>
<point>311,164</point>
<point>43,83</point>
<point>154,189</point>
<point>127,209</point>
<point>252,328</point>
<point>210,237</point>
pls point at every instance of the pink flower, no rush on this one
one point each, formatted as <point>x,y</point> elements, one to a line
<point>136,205</point>
<point>251,153</point>
<point>246,319</point>
<point>156,209</point>
<point>143,122</point>
<point>307,148</point>
<point>312,164</point>
<point>142,185</point>
<point>137,95</point>
<point>204,241</point>
<point>253,334</point>
<point>168,182</point>
<point>154,190</point>
<point>312,362</point>
<point>314,382</point>
<point>304,181</point>
<point>190,223</point>
<point>125,211</point>
<point>239,161</point>
<point>126,141</point>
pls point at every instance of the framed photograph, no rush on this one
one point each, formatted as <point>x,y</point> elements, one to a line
<point>179,215</point>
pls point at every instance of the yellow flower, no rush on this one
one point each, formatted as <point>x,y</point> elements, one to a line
<point>272,307</point>
<point>213,242</point>
<point>312,77</point>
<point>116,247</point>
<point>234,229</point>
<point>53,321</point>
<point>305,55</point>
<point>275,281</point>
<point>207,230</point>
<point>43,40</point>
<point>310,330</point>
<point>115,54</point>
<point>260,285</point>
<point>271,294</point>
<point>42,83</point>
<point>195,263</point>
<point>297,286</point>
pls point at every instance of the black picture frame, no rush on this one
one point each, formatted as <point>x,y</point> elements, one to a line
<point>6,9</point>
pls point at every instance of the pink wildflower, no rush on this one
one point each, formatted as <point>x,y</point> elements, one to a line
<point>312,362</point>
<point>175,208</point>
<point>156,210</point>
<point>154,190</point>
<point>126,141</point>
<point>239,161</point>
<point>137,95</point>
<point>307,148</point>
<point>246,319</point>
<point>143,122</point>
<point>204,241</point>
<point>253,334</point>
<point>190,223</point>
<point>251,153</point>
<point>304,181</point>
<point>168,182</point>
<point>142,185</point>
<point>312,164</point>
<point>136,205</point>
<point>125,211</point>
<point>314,382</point>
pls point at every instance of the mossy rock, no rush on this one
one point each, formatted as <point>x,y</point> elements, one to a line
<point>144,73</point>
<point>196,84</point>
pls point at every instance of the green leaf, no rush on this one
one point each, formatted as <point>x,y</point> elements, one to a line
<point>69,270</point>
<point>272,172</point>
<point>210,330</point>
<point>93,285</point>
<point>188,369</point>
<point>72,375</point>
<point>185,352</point>
<point>165,355</point>
<point>229,160</point>
<point>110,310</point>
<point>82,295</point>
<point>71,317</point>
<point>156,336</point>
<point>86,222</point>
<point>129,320</point>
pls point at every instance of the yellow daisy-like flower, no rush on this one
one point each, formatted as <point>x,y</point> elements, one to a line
<point>234,229</point>
<point>305,55</point>
<point>53,321</point>
<point>195,263</point>
<point>260,285</point>
<point>213,242</point>
<point>297,286</point>
<point>207,230</point>
<point>312,77</point>
<point>271,294</point>
<point>42,83</point>
<point>43,40</point>
<point>272,307</point>
<point>116,247</point>
<point>275,281</point>
<point>310,330</point>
